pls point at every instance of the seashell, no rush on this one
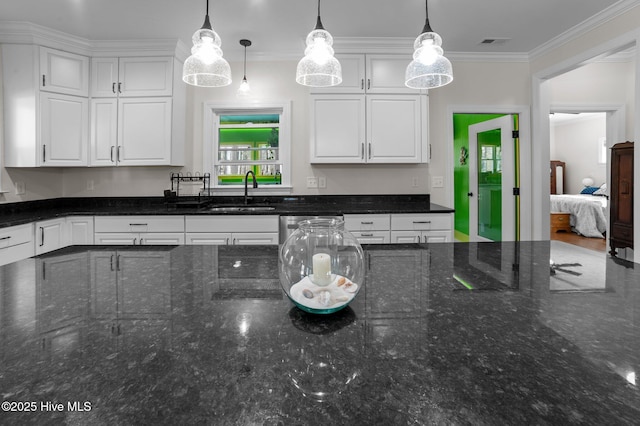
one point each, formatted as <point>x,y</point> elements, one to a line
<point>350,287</point>
<point>325,298</point>
<point>341,281</point>
<point>342,299</point>
<point>307,293</point>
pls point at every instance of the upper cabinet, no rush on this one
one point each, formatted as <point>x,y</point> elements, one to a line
<point>46,109</point>
<point>63,72</point>
<point>65,109</point>
<point>371,73</point>
<point>131,77</point>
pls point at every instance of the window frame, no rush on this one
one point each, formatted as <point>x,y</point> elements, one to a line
<point>210,143</point>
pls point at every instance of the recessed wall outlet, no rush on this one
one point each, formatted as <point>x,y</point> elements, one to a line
<point>437,182</point>
<point>414,181</point>
<point>322,182</point>
<point>21,188</point>
<point>90,185</point>
<point>312,182</point>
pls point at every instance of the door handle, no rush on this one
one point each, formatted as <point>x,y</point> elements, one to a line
<point>41,236</point>
<point>113,87</point>
<point>469,194</point>
<point>111,154</point>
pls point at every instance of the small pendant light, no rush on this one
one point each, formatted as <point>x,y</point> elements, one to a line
<point>244,91</point>
<point>206,67</point>
<point>429,68</point>
<point>318,67</point>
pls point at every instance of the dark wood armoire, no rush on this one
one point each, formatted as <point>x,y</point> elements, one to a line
<point>621,197</point>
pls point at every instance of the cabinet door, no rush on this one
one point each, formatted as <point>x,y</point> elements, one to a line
<point>116,238</point>
<point>208,238</point>
<point>338,129</point>
<point>64,134</point>
<point>104,131</point>
<point>353,75</point>
<point>104,77</point>
<point>145,77</point>
<point>145,295</point>
<point>386,74</point>
<point>103,277</point>
<point>63,72</point>
<point>161,239</point>
<point>394,129</point>
<point>254,238</point>
<point>405,237</point>
<point>50,235</point>
<point>144,131</point>
<point>79,230</point>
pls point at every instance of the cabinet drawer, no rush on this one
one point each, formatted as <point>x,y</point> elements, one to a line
<point>422,222</point>
<point>621,232</point>
<point>14,235</point>
<point>139,224</point>
<point>372,237</point>
<point>367,222</point>
<point>232,223</point>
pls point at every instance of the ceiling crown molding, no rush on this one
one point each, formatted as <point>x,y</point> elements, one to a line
<point>584,27</point>
<point>13,32</point>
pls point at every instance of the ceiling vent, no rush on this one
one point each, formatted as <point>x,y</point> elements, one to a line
<point>494,41</point>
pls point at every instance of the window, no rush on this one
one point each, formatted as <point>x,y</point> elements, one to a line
<point>491,159</point>
<point>239,140</point>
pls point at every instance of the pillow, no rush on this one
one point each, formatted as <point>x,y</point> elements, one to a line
<point>602,190</point>
<point>589,190</point>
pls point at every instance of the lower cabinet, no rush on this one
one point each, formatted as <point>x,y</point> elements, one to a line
<point>16,243</point>
<point>369,228</point>
<point>139,230</point>
<point>50,235</point>
<point>422,228</point>
<point>79,230</point>
<point>232,230</point>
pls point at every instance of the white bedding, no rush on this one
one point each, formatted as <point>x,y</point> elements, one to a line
<point>588,213</point>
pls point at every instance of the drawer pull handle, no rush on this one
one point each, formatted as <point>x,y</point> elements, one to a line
<point>367,235</point>
<point>137,224</point>
<point>366,223</point>
<point>421,221</point>
<point>5,238</point>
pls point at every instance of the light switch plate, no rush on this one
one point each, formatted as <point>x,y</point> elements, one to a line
<point>322,182</point>
<point>437,182</point>
<point>20,188</point>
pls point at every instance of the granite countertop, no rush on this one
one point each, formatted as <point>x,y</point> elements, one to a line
<point>31,211</point>
<point>455,333</point>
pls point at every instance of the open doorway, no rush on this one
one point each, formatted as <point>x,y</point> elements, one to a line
<point>486,176</point>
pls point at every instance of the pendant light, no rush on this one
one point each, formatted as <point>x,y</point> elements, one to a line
<point>429,68</point>
<point>244,91</point>
<point>206,67</point>
<point>319,68</point>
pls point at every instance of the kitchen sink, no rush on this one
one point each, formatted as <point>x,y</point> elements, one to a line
<point>241,208</point>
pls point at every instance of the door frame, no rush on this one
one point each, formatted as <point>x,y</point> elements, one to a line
<point>524,125</point>
<point>508,181</point>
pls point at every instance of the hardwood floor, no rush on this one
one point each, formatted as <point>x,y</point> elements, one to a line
<point>597,244</point>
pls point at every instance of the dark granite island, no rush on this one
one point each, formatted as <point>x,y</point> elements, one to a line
<point>440,334</point>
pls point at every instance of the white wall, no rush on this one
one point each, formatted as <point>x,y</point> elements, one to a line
<point>576,142</point>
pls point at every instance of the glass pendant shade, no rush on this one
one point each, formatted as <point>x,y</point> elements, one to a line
<point>244,91</point>
<point>318,67</point>
<point>206,67</point>
<point>429,68</point>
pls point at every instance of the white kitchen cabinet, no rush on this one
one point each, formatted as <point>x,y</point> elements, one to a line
<point>79,230</point>
<point>50,235</point>
<point>371,73</point>
<point>64,130</point>
<point>422,228</point>
<point>64,72</point>
<point>16,243</point>
<point>369,228</point>
<point>43,124</point>
<point>131,77</point>
<point>369,129</point>
<point>139,230</point>
<point>232,230</point>
<point>136,117</point>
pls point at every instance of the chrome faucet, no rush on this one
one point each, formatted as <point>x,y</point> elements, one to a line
<point>246,180</point>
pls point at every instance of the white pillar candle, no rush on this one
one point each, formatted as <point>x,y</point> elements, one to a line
<point>321,269</point>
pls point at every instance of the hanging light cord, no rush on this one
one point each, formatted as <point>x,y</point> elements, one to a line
<point>319,22</point>
<point>207,23</point>
<point>427,27</point>
<point>245,62</point>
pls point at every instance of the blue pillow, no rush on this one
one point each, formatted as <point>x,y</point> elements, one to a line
<point>589,190</point>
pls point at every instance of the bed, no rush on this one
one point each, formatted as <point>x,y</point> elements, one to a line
<point>588,212</point>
